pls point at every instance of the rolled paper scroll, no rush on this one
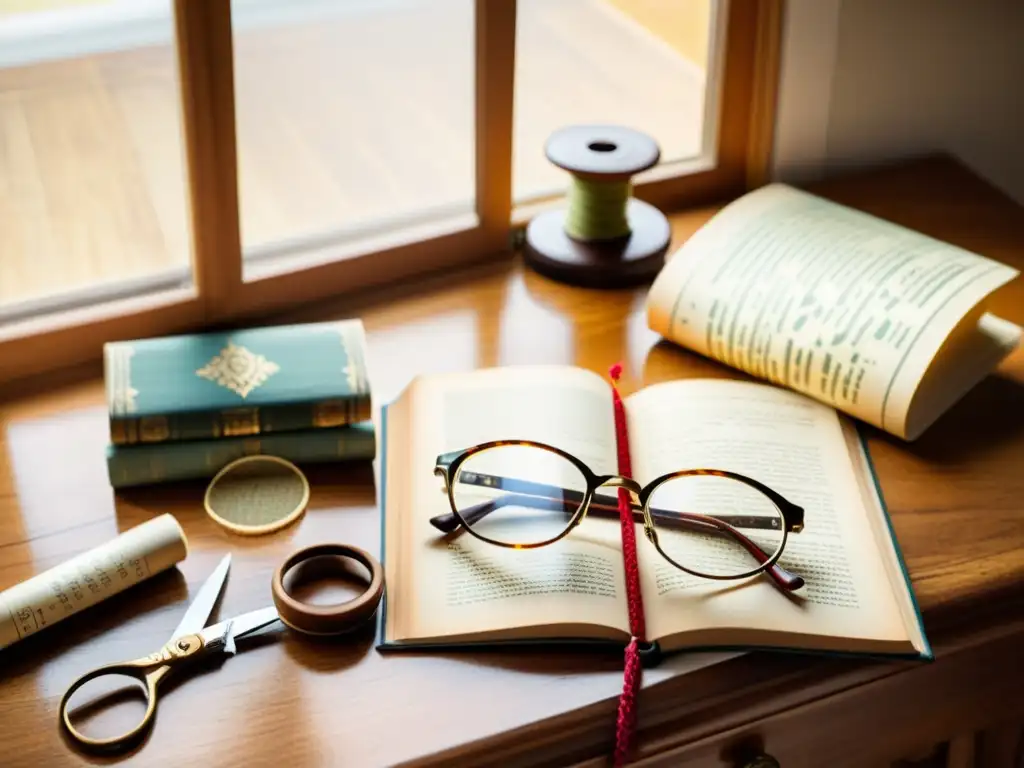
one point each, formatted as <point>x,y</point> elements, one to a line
<point>90,577</point>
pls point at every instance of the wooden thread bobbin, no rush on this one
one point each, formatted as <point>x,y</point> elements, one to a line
<point>626,247</point>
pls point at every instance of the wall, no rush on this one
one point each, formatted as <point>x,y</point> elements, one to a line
<point>867,81</point>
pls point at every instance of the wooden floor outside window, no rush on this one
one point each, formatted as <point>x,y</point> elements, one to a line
<point>277,153</point>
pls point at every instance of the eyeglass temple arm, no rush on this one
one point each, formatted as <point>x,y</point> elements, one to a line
<point>785,579</point>
<point>564,500</point>
<point>542,490</point>
<point>569,502</point>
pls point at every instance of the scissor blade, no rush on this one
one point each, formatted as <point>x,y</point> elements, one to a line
<point>240,626</point>
<point>198,613</point>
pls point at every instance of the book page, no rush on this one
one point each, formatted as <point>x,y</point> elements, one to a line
<point>463,587</point>
<point>871,496</point>
<point>826,300</point>
<point>796,447</point>
<point>951,376</point>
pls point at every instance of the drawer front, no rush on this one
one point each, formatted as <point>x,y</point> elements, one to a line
<point>896,720</point>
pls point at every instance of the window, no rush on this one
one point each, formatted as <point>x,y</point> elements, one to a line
<point>352,117</point>
<point>646,64</point>
<point>170,163</point>
<point>93,199</point>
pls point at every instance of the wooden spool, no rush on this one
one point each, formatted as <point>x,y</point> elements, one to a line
<point>600,153</point>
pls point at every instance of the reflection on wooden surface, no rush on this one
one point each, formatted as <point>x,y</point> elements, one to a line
<point>954,498</point>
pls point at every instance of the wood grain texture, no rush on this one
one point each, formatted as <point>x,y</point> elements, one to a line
<point>954,497</point>
<point>768,56</point>
<point>901,721</point>
<point>90,186</point>
<point>494,44</point>
<point>205,58</point>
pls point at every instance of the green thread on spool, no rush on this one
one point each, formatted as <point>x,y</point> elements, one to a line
<point>603,237</point>
<point>597,209</point>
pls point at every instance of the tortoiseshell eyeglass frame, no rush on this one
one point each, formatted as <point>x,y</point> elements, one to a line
<point>579,505</point>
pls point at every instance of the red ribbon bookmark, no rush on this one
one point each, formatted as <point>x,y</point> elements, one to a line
<point>626,723</point>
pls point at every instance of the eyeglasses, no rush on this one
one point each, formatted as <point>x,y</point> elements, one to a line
<point>709,523</point>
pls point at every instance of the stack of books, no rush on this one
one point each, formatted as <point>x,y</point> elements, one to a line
<point>183,407</point>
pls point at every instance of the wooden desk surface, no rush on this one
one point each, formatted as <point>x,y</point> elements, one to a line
<point>955,498</point>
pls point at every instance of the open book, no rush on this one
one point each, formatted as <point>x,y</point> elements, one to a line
<point>452,589</point>
<point>879,321</point>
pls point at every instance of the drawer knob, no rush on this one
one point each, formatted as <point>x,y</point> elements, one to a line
<point>762,761</point>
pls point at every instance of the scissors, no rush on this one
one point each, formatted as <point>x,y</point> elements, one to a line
<point>192,639</point>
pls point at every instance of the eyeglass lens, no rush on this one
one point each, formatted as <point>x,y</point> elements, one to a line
<point>518,494</point>
<point>715,526</point>
<point>524,495</point>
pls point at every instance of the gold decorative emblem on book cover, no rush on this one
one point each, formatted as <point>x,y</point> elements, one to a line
<point>238,369</point>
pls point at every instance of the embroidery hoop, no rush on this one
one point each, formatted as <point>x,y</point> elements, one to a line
<point>277,518</point>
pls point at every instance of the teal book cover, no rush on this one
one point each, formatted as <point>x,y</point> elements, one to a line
<point>134,465</point>
<point>233,383</point>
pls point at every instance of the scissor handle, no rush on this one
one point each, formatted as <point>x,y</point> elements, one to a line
<point>150,671</point>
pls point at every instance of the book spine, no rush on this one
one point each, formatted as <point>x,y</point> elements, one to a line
<point>136,465</point>
<point>239,422</point>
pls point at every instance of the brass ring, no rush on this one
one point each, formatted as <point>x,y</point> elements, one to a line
<point>328,619</point>
<point>285,518</point>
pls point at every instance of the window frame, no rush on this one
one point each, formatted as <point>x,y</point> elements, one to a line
<point>221,294</point>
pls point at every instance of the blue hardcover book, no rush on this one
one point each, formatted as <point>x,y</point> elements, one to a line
<point>134,465</point>
<point>450,589</point>
<point>252,381</point>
